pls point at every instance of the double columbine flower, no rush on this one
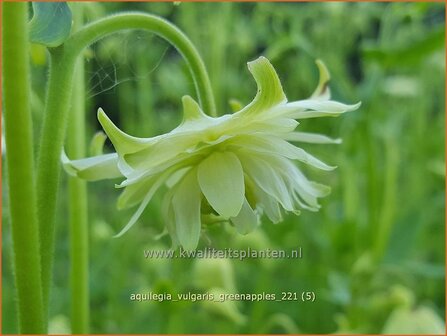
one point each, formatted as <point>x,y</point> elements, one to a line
<point>233,167</point>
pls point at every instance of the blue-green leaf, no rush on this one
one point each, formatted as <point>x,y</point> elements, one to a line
<point>51,23</point>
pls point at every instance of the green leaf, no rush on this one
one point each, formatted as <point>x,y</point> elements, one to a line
<point>51,23</point>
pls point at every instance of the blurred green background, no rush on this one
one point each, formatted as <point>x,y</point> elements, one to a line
<point>374,254</point>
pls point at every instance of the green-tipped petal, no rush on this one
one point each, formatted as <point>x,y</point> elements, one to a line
<point>94,168</point>
<point>221,179</point>
<point>169,217</point>
<point>186,205</point>
<point>97,143</point>
<point>235,105</point>
<point>322,91</point>
<point>163,151</point>
<point>191,110</point>
<point>304,109</point>
<point>267,178</point>
<point>123,143</point>
<point>134,193</point>
<point>270,126</point>
<point>310,138</point>
<point>247,219</point>
<point>270,92</point>
<point>277,146</point>
<point>143,204</point>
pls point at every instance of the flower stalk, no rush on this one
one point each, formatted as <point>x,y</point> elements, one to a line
<point>20,164</point>
<point>78,208</point>
<point>62,64</point>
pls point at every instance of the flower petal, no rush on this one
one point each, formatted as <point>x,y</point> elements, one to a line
<point>161,179</point>
<point>270,92</point>
<point>262,200</point>
<point>192,110</point>
<point>313,108</point>
<point>169,217</point>
<point>322,91</point>
<point>247,219</point>
<point>94,168</point>
<point>270,206</point>
<point>267,179</point>
<point>277,146</point>
<point>270,126</point>
<point>186,206</point>
<point>221,179</point>
<point>122,142</point>
<point>310,138</point>
<point>161,152</point>
<point>134,194</point>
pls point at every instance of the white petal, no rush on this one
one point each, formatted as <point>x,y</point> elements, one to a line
<point>144,204</point>
<point>169,216</point>
<point>310,138</point>
<point>93,168</point>
<point>270,126</point>
<point>247,220</point>
<point>313,108</point>
<point>277,146</point>
<point>263,200</point>
<point>162,151</point>
<point>304,192</point>
<point>134,193</point>
<point>267,179</point>
<point>292,172</point>
<point>186,206</point>
<point>221,179</point>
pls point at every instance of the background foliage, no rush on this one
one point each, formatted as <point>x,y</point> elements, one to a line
<point>374,254</point>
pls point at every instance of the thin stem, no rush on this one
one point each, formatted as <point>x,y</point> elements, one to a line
<point>101,28</point>
<point>22,200</point>
<point>62,64</point>
<point>78,209</point>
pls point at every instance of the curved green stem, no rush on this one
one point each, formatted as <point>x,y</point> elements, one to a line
<point>20,163</point>
<point>62,63</point>
<point>101,28</point>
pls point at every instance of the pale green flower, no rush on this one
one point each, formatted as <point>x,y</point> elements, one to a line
<point>233,167</point>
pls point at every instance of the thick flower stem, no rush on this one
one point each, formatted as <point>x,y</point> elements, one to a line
<point>63,60</point>
<point>77,190</point>
<point>48,169</point>
<point>22,200</point>
<point>77,194</point>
